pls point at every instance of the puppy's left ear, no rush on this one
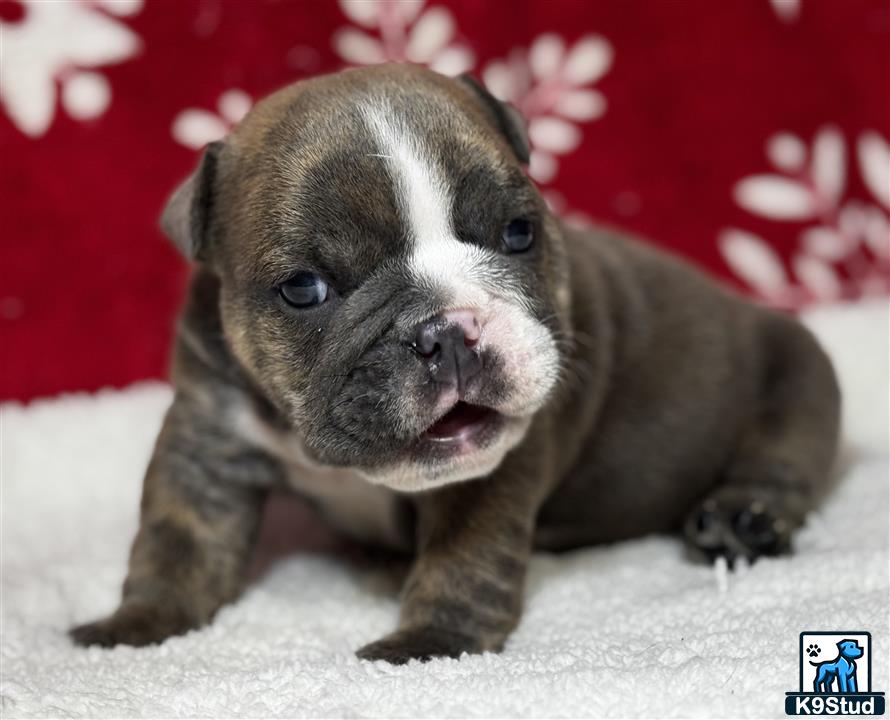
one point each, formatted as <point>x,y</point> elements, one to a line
<point>186,217</point>
<point>506,118</point>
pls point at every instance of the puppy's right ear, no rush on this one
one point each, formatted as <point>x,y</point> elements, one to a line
<point>186,217</point>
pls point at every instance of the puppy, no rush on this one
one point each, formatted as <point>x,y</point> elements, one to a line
<point>385,317</point>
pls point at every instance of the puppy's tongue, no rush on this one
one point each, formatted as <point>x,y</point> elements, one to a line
<point>457,420</point>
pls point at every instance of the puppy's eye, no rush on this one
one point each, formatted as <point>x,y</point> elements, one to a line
<point>518,235</point>
<point>304,290</point>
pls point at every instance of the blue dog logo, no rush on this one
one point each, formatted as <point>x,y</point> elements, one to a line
<point>835,683</point>
<point>841,670</point>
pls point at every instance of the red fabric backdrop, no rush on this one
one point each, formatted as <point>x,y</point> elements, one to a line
<point>749,135</point>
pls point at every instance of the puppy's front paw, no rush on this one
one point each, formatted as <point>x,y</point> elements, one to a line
<point>422,643</point>
<point>133,624</point>
<point>735,524</point>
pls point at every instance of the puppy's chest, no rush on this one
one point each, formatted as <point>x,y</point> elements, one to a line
<point>370,513</point>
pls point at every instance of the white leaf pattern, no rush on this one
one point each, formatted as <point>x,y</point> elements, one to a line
<point>122,8</point>
<point>581,104</point>
<point>818,277</point>
<point>825,242</point>
<point>775,197</point>
<point>86,95</point>
<point>405,33</point>
<point>787,10</point>
<point>545,55</point>
<point>357,47</point>
<point>453,61</point>
<point>41,50</point>
<point>754,261</point>
<point>877,233</point>
<point>829,161</point>
<point>499,79</point>
<point>542,166</point>
<point>194,127</point>
<point>554,135</point>
<point>233,105</point>
<point>787,152</point>
<point>845,252</point>
<point>874,164</point>
<point>360,12</point>
<point>430,35</point>
<point>588,61</point>
<point>548,83</point>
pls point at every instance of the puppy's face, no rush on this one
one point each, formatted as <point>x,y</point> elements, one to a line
<point>389,276</point>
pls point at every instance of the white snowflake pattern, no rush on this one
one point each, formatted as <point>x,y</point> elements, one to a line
<point>46,50</point>
<point>550,85</point>
<point>194,127</point>
<point>844,251</point>
<point>402,32</point>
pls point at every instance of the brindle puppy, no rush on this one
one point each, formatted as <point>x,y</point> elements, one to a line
<point>386,317</point>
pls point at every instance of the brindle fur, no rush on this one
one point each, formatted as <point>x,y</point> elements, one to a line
<point>682,407</point>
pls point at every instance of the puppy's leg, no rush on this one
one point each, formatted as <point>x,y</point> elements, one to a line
<point>783,463</point>
<point>201,505</point>
<point>464,593</point>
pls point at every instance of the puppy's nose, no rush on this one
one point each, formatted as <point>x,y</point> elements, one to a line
<point>448,344</point>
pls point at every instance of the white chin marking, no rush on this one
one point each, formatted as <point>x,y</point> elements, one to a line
<point>415,476</point>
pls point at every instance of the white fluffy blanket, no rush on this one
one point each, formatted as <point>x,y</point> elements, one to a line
<point>627,630</point>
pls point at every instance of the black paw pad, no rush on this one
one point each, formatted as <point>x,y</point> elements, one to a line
<point>705,527</point>
<point>758,530</point>
<point>735,528</point>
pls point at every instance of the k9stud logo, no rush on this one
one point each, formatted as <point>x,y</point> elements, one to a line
<point>835,676</point>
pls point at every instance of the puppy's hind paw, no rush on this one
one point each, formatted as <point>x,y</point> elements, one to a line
<point>733,524</point>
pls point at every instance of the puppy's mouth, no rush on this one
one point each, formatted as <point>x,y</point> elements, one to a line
<point>463,425</point>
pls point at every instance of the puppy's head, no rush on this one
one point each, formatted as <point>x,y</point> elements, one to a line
<point>389,276</point>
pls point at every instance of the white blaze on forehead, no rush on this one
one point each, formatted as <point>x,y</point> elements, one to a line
<point>424,197</point>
